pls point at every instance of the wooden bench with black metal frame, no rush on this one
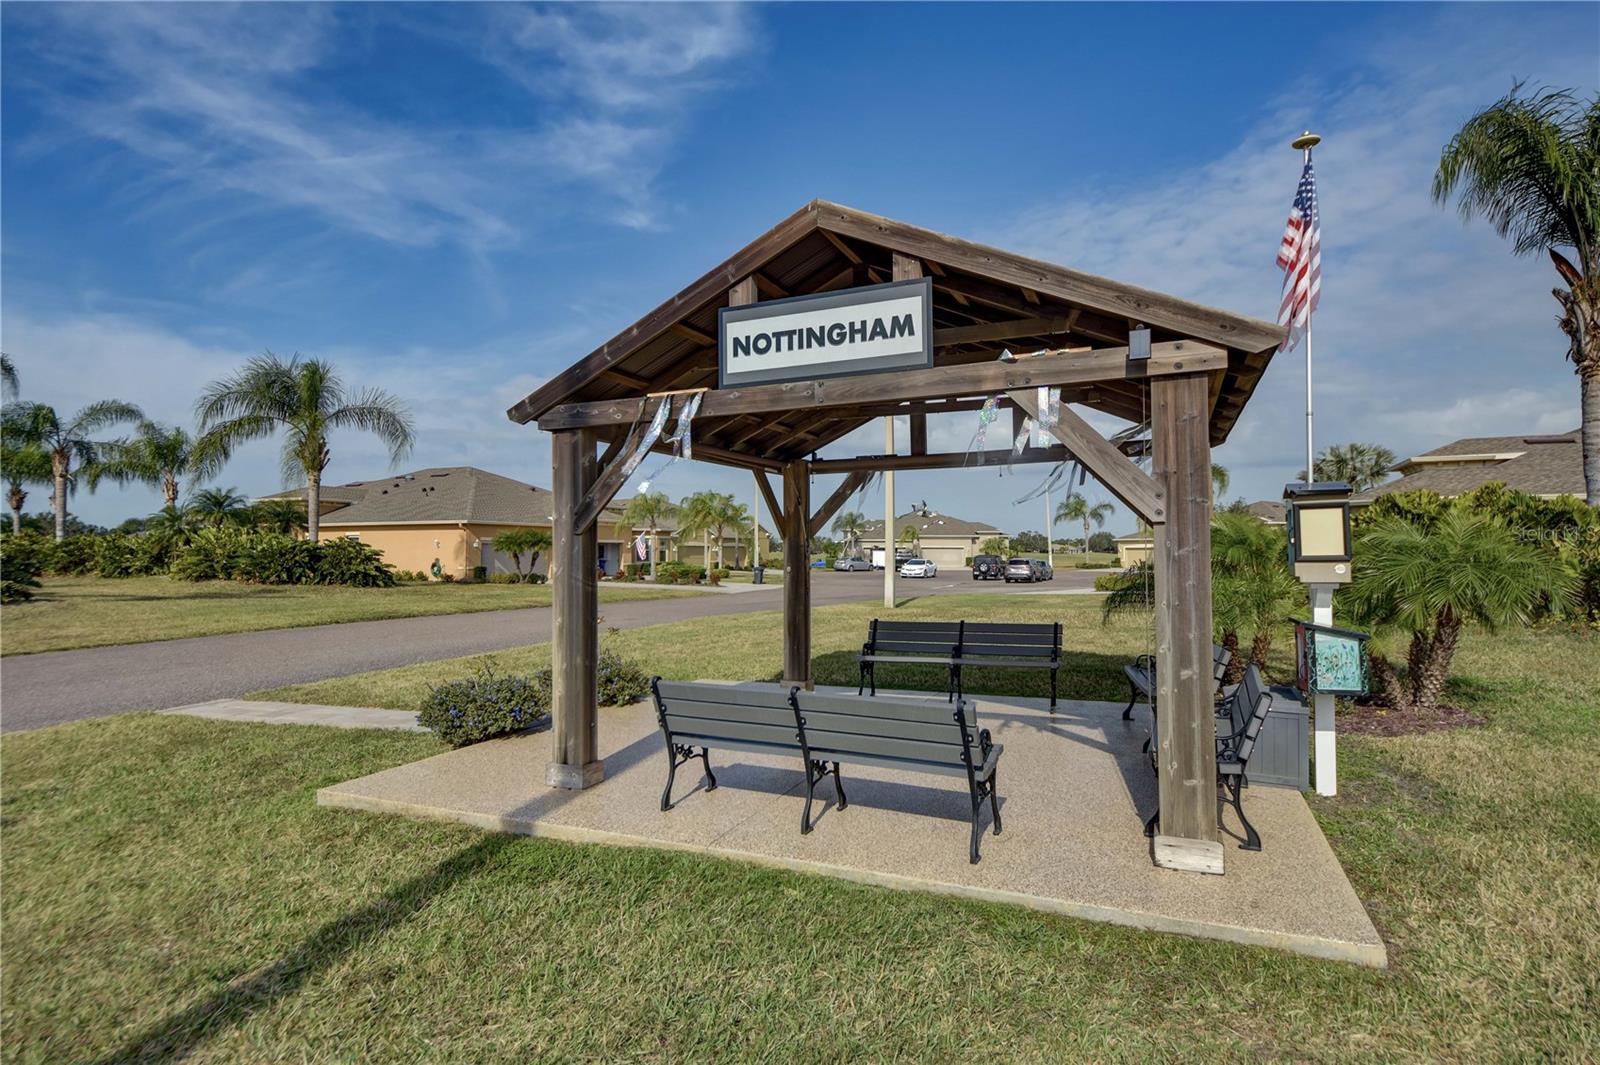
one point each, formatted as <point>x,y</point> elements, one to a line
<point>1239,723</point>
<point>825,730</point>
<point>957,645</point>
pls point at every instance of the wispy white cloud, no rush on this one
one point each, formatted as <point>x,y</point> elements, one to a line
<point>229,108</point>
<point>1428,330</point>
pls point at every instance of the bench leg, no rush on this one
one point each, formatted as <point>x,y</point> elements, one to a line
<point>861,684</point>
<point>872,677</point>
<point>994,800</point>
<point>838,787</point>
<point>1053,682</point>
<point>1133,693</point>
<point>1150,825</point>
<point>705,758</point>
<point>1252,837</point>
<point>977,805</point>
<point>815,771</point>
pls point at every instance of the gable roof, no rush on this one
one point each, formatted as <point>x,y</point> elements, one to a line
<point>932,525</point>
<point>825,246</point>
<point>439,494</point>
<point>1538,465</point>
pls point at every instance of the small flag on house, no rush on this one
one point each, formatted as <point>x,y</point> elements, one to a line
<point>1300,257</point>
<point>641,550</point>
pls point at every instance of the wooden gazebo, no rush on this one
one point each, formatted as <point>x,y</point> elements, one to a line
<point>1191,371</point>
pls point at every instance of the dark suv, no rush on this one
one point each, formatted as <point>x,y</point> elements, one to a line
<point>988,568</point>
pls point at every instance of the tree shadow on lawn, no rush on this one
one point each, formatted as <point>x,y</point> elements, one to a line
<point>180,1034</point>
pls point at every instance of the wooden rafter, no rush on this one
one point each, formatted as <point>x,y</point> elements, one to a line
<point>1136,489</point>
<point>852,484</point>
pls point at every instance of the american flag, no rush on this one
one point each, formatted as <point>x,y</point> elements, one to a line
<point>1300,256</point>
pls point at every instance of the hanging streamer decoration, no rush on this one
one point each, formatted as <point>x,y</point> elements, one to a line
<point>987,416</point>
<point>682,437</point>
<point>1049,401</point>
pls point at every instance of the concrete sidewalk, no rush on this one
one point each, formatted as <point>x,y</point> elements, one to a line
<point>301,714</point>
<point>1073,788</point>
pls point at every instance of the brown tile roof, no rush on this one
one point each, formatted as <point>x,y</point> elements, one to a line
<point>1543,466</point>
<point>443,494</point>
<point>935,524</point>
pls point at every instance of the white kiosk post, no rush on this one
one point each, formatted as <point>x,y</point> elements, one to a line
<point>1320,552</point>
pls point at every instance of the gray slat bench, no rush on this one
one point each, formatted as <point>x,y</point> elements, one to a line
<point>825,730</point>
<point>1239,723</point>
<point>958,645</point>
<point>1141,674</point>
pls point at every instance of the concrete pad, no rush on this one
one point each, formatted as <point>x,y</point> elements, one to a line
<point>1074,789</point>
<point>301,714</point>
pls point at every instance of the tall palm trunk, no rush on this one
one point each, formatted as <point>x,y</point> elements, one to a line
<point>1580,320</point>
<point>1086,536</point>
<point>652,551</point>
<point>15,498</point>
<point>1234,672</point>
<point>59,500</point>
<point>169,487</point>
<point>313,504</point>
<point>1589,385</point>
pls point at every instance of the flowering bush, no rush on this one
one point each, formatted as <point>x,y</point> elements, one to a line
<point>483,706</point>
<point>618,681</point>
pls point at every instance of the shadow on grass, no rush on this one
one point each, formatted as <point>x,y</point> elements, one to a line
<point>180,1034</point>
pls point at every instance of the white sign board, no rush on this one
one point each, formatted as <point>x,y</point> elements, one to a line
<point>854,331</point>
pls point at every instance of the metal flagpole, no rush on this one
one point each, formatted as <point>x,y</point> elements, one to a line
<point>1049,530</point>
<point>1305,142</point>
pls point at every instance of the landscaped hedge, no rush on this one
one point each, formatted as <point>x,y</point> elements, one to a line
<point>679,573</point>
<point>277,558</point>
<point>22,559</point>
<point>490,704</point>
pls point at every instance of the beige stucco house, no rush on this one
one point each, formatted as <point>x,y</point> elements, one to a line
<point>943,539</point>
<point>451,514</point>
<point>1546,466</point>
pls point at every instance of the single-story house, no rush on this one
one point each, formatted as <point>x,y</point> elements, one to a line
<point>1546,466</point>
<point>1268,511</point>
<point>946,541</point>
<point>450,515</point>
<point>1135,548</point>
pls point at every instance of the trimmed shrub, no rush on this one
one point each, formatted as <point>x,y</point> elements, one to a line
<point>277,558</point>
<point>74,556</point>
<point>210,555</point>
<point>485,705</point>
<point>1132,578</point>
<point>618,681</point>
<point>114,555</point>
<point>22,559</point>
<point>504,578</point>
<point>352,563</point>
<point>678,573</point>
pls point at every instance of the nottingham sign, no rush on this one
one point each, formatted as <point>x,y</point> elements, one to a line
<point>857,330</point>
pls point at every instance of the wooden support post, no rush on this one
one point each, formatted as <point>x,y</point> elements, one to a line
<point>919,434</point>
<point>771,499</point>
<point>574,640</point>
<point>796,574</point>
<point>1186,755</point>
<point>902,268</point>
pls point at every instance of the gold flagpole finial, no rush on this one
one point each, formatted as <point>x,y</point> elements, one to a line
<point>1306,140</point>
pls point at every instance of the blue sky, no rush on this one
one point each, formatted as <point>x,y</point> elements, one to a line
<point>455,202</point>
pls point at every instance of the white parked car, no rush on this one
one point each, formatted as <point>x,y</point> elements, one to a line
<point>918,567</point>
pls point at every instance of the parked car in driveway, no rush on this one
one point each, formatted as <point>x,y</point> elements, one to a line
<point>988,568</point>
<point>852,563</point>
<point>918,567</point>
<point>1021,569</point>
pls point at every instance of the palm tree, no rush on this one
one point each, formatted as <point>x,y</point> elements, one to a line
<point>22,464</point>
<point>850,525</point>
<point>1361,466</point>
<point>8,377</point>
<point>217,507</point>
<point>159,456</point>
<point>913,536</point>
<point>70,444</point>
<point>1252,588</point>
<point>519,542</point>
<point>1431,582</point>
<point>1530,165</point>
<point>1076,508</point>
<point>726,513</point>
<point>648,510</point>
<point>278,515</point>
<point>1219,480</point>
<point>307,400</point>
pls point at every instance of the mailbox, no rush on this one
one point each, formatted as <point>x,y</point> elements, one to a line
<point>1319,531</point>
<point>1329,661</point>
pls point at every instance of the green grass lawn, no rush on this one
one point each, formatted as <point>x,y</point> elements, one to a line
<point>90,612</point>
<point>750,647</point>
<point>172,891</point>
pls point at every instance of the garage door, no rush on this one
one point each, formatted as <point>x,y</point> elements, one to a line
<point>946,558</point>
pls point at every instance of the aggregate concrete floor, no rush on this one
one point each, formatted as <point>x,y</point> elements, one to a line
<point>1073,789</point>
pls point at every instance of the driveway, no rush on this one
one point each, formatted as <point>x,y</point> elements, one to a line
<point>48,689</point>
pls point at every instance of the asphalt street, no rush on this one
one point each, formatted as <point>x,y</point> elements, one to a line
<point>47,689</point>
